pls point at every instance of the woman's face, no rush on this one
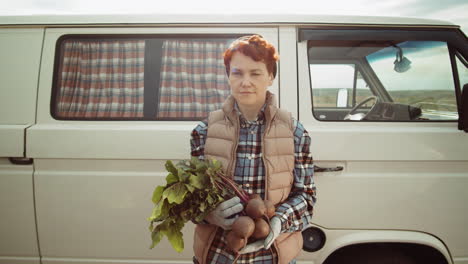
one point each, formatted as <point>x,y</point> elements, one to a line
<point>249,80</point>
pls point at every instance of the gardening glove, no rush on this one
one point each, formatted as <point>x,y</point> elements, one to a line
<point>275,229</point>
<point>252,247</point>
<point>220,215</point>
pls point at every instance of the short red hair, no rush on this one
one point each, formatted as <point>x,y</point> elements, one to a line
<point>255,47</point>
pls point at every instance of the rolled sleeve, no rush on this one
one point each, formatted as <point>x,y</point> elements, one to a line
<point>197,140</point>
<point>197,146</point>
<point>296,212</point>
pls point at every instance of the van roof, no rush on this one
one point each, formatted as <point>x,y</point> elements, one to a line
<point>180,18</point>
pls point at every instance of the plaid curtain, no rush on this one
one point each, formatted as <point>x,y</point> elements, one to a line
<point>193,78</point>
<point>101,79</point>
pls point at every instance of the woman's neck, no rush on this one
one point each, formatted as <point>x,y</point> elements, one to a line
<point>250,112</point>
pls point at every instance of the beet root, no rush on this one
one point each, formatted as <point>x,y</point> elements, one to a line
<point>255,208</point>
<point>234,242</point>
<point>262,229</point>
<point>243,227</point>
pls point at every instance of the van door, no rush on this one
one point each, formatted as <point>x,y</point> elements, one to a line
<point>20,50</point>
<point>383,104</point>
<point>114,105</point>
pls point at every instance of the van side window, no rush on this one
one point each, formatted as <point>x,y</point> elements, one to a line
<point>384,80</point>
<point>330,92</point>
<point>139,78</point>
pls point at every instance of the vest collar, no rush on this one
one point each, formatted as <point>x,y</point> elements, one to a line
<point>230,111</point>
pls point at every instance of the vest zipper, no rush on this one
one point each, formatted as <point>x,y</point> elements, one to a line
<point>234,150</point>
<point>267,129</point>
<point>266,169</point>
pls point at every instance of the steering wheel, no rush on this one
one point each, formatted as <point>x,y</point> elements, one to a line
<point>351,114</point>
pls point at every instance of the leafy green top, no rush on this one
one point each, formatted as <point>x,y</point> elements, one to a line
<point>193,188</point>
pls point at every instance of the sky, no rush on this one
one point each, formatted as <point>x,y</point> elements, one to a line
<point>430,70</point>
<point>454,11</point>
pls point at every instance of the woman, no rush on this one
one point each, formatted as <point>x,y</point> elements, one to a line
<point>266,151</point>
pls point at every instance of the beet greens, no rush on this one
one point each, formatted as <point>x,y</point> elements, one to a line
<point>193,188</point>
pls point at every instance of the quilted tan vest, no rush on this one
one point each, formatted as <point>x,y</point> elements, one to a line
<point>278,158</point>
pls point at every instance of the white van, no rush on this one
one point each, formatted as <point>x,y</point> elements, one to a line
<point>91,107</point>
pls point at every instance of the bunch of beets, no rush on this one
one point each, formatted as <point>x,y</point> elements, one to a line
<point>193,189</point>
<point>253,223</point>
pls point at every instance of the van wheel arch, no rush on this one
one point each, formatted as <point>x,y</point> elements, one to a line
<point>386,253</point>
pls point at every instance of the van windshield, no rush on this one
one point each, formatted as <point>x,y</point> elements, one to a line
<point>382,80</point>
<point>420,76</point>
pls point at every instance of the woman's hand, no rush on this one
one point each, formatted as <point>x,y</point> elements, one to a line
<point>220,215</point>
<point>275,229</point>
<point>275,225</point>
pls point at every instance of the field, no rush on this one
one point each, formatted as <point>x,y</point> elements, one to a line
<point>437,100</point>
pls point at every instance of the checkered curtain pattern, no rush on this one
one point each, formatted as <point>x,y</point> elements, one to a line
<point>101,79</point>
<point>193,78</point>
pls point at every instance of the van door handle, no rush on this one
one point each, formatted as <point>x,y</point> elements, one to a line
<point>321,169</point>
<point>20,160</point>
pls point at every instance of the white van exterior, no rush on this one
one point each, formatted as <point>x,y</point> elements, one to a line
<point>76,188</point>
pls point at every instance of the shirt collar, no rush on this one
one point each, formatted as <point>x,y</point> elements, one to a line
<point>243,121</point>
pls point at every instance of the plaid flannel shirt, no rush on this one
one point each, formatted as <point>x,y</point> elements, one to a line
<point>295,213</point>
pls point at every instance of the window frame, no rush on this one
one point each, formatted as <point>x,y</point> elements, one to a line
<point>58,52</point>
<point>454,38</point>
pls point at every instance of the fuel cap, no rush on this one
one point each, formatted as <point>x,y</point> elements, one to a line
<point>314,239</point>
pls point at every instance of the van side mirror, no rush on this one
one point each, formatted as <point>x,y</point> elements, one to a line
<point>342,98</point>
<point>463,115</point>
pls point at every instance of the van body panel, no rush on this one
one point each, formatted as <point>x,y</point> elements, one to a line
<point>20,260</point>
<point>341,238</point>
<point>200,19</point>
<point>97,210</point>
<point>414,142</point>
<point>12,140</point>
<point>288,69</point>
<point>18,243</point>
<point>135,140</point>
<point>401,163</point>
<point>422,182</point>
<point>20,52</point>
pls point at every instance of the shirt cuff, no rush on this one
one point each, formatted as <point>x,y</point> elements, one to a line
<point>284,222</point>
